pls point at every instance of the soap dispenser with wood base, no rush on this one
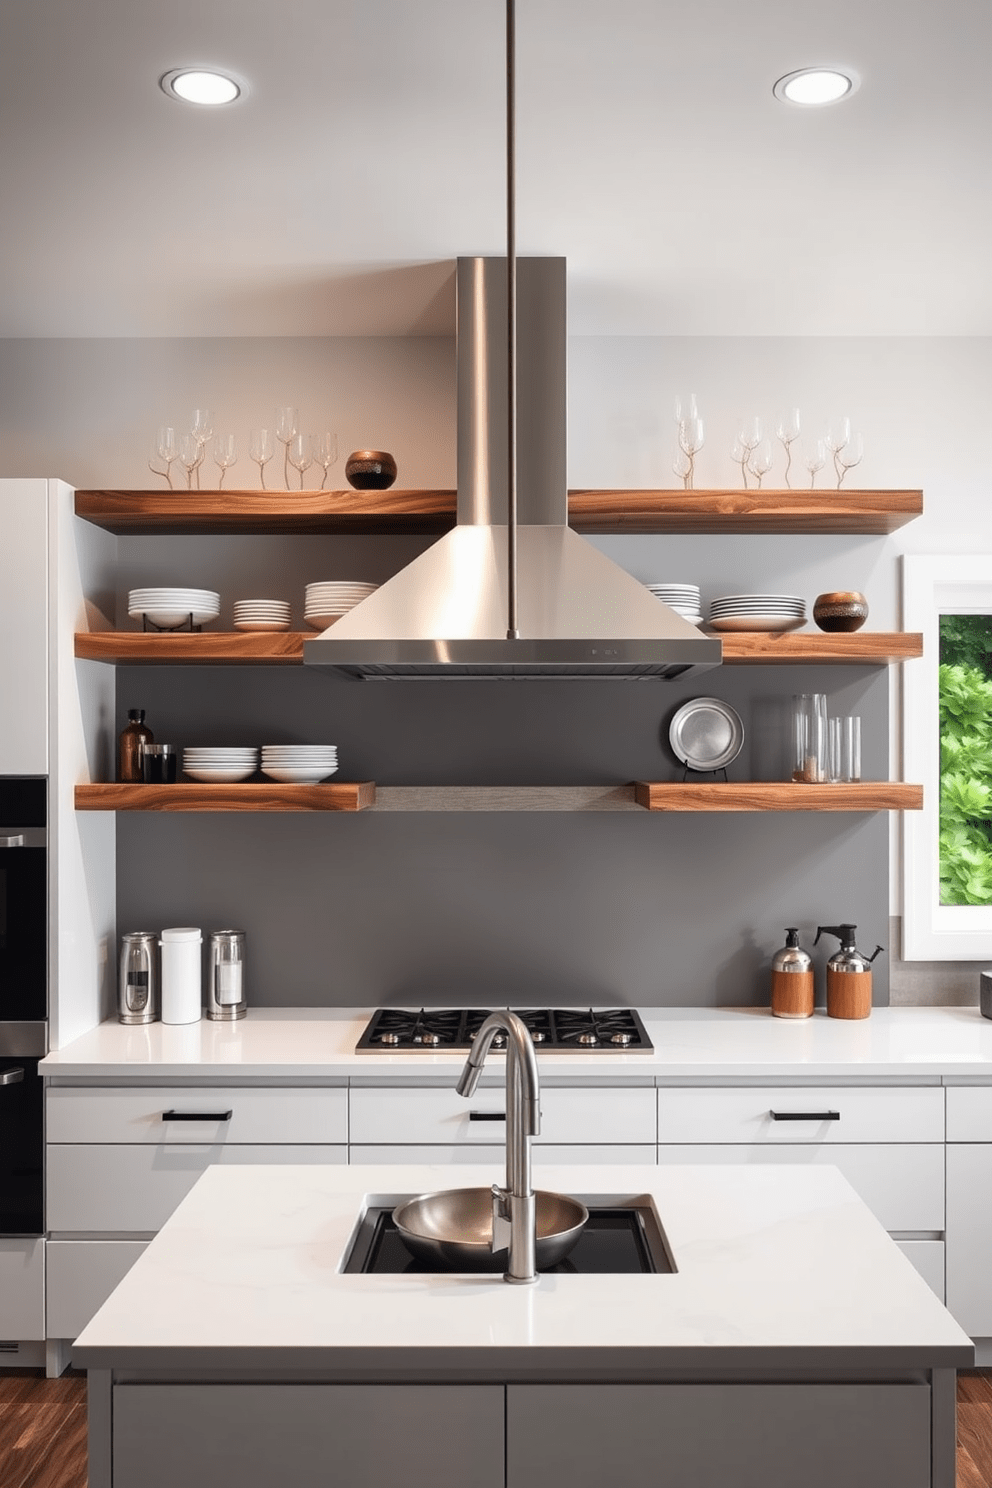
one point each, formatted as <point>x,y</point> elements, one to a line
<point>848,975</point>
<point>792,980</point>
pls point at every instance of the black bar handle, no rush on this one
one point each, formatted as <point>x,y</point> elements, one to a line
<point>487,1115</point>
<point>197,1115</point>
<point>804,1115</point>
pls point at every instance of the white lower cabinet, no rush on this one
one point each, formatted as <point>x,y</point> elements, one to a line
<point>581,1116</point>
<point>969,1235</point>
<point>22,1290</point>
<point>81,1274</point>
<point>928,1258</point>
<point>301,1436</point>
<point>542,1153</point>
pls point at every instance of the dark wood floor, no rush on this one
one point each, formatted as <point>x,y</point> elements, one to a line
<point>43,1431</point>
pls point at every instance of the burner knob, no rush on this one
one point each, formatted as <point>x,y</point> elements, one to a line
<point>389,1038</point>
<point>588,1038</point>
<point>537,1037</point>
<point>622,1038</point>
<point>499,1042</point>
<point>426,1038</point>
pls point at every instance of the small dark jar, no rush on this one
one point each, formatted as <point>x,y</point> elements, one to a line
<point>842,611</point>
<point>370,470</point>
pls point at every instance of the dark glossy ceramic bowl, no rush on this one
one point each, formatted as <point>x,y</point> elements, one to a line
<point>841,610</point>
<point>370,470</point>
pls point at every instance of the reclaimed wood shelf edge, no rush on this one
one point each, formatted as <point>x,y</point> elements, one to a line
<point>774,795</point>
<point>248,796</point>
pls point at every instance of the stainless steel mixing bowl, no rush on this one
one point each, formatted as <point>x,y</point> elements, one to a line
<point>452,1230</point>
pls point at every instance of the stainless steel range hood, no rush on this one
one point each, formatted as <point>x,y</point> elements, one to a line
<point>578,614</point>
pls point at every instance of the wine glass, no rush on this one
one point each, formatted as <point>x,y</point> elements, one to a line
<point>816,458</point>
<point>300,454</point>
<point>682,467</point>
<point>748,439</point>
<point>286,421</point>
<point>201,427</point>
<point>761,461</point>
<point>688,410</point>
<point>850,454</point>
<point>691,435</point>
<point>787,433</point>
<point>261,449</point>
<point>837,438</point>
<point>166,451</point>
<point>325,452</point>
<point>190,456</point>
<point>225,455</point>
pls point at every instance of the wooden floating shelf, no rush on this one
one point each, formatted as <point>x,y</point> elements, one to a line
<point>249,796</point>
<point>285,648</point>
<point>774,795</point>
<point>870,513</point>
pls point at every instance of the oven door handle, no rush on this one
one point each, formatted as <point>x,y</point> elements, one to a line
<point>15,841</point>
<point>12,1076</point>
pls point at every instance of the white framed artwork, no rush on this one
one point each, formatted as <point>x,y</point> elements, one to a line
<point>947,881</point>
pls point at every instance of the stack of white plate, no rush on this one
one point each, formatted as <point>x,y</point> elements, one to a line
<point>758,612</point>
<point>170,607</point>
<point>221,764</point>
<point>299,764</point>
<point>684,599</point>
<point>325,602</point>
<point>261,614</point>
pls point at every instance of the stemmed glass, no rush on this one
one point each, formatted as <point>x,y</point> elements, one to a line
<point>682,467</point>
<point>190,457</point>
<point>787,434</point>
<point>850,454</point>
<point>816,458</point>
<point>747,441</point>
<point>325,452</point>
<point>225,454</point>
<point>761,461</point>
<point>166,451</point>
<point>691,434</point>
<point>300,452</point>
<point>286,420</point>
<point>837,438</point>
<point>261,449</point>
<point>201,428</point>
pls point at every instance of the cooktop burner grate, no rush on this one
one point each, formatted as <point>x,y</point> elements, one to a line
<point>561,1030</point>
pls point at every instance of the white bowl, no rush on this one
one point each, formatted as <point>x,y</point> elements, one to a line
<point>287,776</point>
<point>261,624</point>
<point>172,618</point>
<point>220,777</point>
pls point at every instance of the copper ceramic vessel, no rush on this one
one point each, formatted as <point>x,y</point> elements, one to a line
<point>841,610</point>
<point>370,470</point>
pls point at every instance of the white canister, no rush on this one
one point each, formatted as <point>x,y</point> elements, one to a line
<point>181,975</point>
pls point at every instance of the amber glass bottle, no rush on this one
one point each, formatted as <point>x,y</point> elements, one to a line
<point>132,741</point>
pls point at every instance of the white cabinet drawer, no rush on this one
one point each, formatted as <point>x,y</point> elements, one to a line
<point>568,1115</point>
<point>135,1188</point>
<point>969,1236</point>
<point>541,1153</point>
<point>903,1185</point>
<point>256,1115</point>
<point>746,1115</point>
<point>969,1113</point>
<point>80,1276</point>
<point>928,1258</point>
<point>22,1290</point>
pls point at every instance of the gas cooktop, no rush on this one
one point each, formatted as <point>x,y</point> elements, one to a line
<point>554,1031</point>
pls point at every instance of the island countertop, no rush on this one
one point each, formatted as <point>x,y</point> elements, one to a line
<point>777,1268</point>
<point>920,1043</point>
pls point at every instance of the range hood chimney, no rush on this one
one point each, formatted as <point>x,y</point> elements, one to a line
<point>579,615</point>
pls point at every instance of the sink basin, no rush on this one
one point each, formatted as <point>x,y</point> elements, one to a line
<point>455,1227</point>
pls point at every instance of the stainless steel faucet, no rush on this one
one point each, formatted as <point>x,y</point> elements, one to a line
<point>516,1201</point>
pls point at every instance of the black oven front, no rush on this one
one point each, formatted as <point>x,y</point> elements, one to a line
<point>21,1136</point>
<point>23,900</point>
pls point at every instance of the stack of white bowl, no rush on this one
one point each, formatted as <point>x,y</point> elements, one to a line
<point>299,764</point>
<point>768,612</point>
<point>684,599</point>
<point>221,764</point>
<point>261,614</point>
<point>169,608</point>
<point>325,602</point>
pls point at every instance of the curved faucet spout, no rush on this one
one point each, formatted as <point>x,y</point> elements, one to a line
<point>523,1121</point>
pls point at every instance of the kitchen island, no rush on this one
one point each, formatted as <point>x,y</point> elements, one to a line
<point>793,1343</point>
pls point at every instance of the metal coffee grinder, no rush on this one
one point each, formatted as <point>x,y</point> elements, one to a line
<point>226,976</point>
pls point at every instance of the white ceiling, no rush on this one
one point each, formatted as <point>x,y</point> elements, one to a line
<point>369,153</point>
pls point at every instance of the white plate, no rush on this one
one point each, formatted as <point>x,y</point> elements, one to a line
<point>755,623</point>
<point>261,624</point>
<point>321,622</point>
<point>169,619</point>
<point>787,598</point>
<point>206,752</point>
<point>297,777</point>
<point>706,734</point>
<point>218,777</point>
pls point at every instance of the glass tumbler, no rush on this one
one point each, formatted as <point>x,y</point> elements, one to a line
<point>844,749</point>
<point>809,736</point>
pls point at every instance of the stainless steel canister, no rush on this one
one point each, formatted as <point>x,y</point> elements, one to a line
<point>137,982</point>
<point>226,977</point>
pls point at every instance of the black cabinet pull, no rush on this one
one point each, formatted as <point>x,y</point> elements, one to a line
<point>487,1115</point>
<point>804,1115</point>
<point>197,1115</point>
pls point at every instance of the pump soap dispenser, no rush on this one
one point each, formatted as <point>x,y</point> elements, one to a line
<point>792,980</point>
<point>848,975</point>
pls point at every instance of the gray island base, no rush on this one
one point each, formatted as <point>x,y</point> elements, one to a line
<point>793,1344</point>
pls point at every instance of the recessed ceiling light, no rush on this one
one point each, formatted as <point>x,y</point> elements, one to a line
<point>196,85</point>
<point>816,85</point>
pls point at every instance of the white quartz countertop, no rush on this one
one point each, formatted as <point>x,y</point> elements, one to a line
<point>689,1043</point>
<point>777,1268</point>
